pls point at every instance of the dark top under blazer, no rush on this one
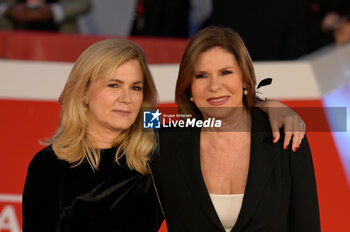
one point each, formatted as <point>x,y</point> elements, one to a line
<point>114,198</point>
<point>280,193</point>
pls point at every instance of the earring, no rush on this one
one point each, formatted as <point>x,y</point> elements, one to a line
<point>191,99</point>
<point>245,91</point>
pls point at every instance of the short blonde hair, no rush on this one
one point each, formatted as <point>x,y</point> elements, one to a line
<point>71,142</point>
<point>202,41</point>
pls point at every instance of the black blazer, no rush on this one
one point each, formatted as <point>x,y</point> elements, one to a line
<point>280,194</point>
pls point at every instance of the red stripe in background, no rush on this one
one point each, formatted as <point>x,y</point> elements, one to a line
<point>44,46</point>
<point>24,123</point>
<point>3,39</point>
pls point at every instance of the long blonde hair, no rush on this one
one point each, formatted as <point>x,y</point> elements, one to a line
<point>71,142</point>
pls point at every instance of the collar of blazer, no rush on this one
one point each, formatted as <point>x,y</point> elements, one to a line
<point>262,160</point>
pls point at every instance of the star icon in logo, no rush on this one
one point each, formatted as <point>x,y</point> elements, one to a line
<point>156,115</point>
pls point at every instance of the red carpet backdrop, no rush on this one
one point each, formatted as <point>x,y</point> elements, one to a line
<point>37,66</point>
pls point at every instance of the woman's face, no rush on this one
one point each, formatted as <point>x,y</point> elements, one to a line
<point>115,101</point>
<point>217,86</point>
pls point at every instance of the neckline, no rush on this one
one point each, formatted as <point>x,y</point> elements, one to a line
<point>108,149</point>
<point>227,195</point>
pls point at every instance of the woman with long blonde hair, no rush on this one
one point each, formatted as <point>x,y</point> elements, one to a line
<point>74,184</point>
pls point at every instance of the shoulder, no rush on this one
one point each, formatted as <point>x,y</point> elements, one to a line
<point>260,120</point>
<point>301,156</point>
<point>45,155</point>
<point>45,161</point>
<point>43,174</point>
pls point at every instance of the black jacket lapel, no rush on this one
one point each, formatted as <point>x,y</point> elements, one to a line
<point>188,160</point>
<point>262,160</point>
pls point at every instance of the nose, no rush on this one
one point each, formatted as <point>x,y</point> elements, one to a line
<point>125,96</point>
<point>214,83</point>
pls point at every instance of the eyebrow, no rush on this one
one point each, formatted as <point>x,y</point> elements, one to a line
<point>227,67</point>
<point>201,71</point>
<point>122,82</point>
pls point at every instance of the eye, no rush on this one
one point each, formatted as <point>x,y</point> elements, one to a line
<point>136,88</point>
<point>199,76</point>
<point>113,85</point>
<point>226,72</point>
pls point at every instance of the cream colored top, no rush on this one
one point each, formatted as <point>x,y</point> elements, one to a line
<point>227,208</point>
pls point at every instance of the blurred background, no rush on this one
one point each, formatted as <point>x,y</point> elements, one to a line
<point>303,45</point>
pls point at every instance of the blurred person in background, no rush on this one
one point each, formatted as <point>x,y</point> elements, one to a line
<point>172,18</point>
<point>327,23</point>
<point>338,26</point>
<point>335,19</point>
<point>168,18</point>
<point>51,15</point>
<point>272,30</point>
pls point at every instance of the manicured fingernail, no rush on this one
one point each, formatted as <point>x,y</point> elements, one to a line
<point>273,140</point>
<point>294,149</point>
<point>285,147</point>
<point>299,145</point>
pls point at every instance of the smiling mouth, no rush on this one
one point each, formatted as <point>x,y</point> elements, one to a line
<point>122,112</point>
<point>218,100</point>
